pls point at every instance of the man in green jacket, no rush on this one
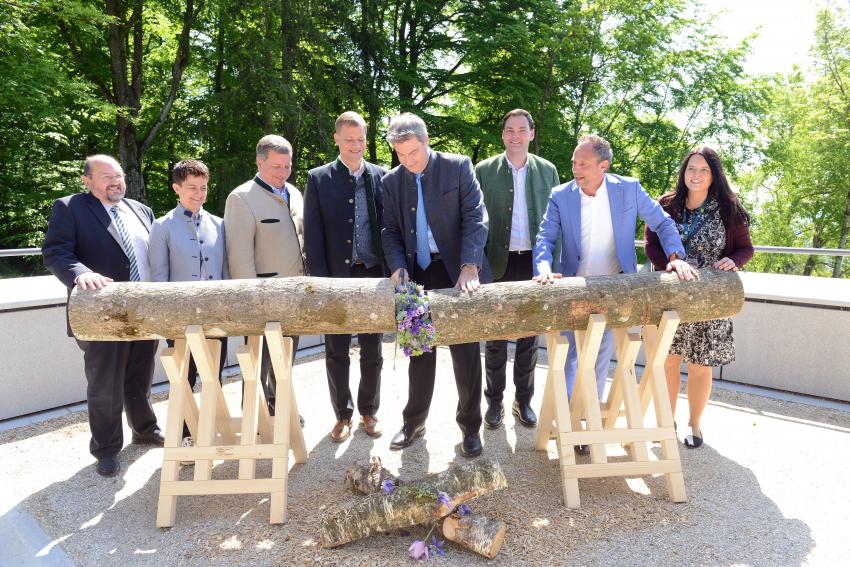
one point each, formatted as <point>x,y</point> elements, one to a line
<point>516,187</point>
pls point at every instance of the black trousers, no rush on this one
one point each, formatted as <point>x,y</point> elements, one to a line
<point>496,352</point>
<point>338,363</point>
<point>193,370</point>
<point>466,361</point>
<point>119,375</point>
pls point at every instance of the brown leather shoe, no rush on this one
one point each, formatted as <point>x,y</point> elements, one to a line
<point>341,430</point>
<point>371,426</point>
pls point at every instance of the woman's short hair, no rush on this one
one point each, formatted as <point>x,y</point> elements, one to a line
<point>187,167</point>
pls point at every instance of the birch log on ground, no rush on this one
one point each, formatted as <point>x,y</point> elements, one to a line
<point>410,504</point>
<point>475,532</point>
<point>310,306</point>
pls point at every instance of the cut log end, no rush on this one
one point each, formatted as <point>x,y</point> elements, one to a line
<point>367,478</point>
<point>475,532</point>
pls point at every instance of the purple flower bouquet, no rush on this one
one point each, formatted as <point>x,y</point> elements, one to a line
<point>416,333</point>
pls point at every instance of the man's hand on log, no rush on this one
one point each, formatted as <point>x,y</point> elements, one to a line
<point>92,280</point>
<point>725,264</point>
<point>684,270</point>
<point>399,279</point>
<point>468,279</point>
<point>547,277</point>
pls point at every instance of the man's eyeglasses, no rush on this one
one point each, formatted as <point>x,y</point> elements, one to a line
<point>114,177</point>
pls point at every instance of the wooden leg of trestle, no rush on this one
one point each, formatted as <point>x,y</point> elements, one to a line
<point>214,416</point>
<point>280,349</point>
<point>657,381</point>
<point>628,345</point>
<point>249,357</point>
<point>175,360</point>
<point>587,402</point>
<point>555,416</point>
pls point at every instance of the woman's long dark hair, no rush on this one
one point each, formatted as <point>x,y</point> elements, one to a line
<point>731,211</point>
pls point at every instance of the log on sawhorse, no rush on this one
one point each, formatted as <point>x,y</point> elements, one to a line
<point>217,435</point>
<point>562,418</point>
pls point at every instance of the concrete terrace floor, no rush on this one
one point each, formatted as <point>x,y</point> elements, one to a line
<point>769,487</point>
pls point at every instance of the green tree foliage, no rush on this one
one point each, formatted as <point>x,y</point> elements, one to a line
<point>802,189</point>
<point>156,81</point>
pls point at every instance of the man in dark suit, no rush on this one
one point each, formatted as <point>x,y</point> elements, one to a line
<point>343,211</point>
<point>93,239</point>
<point>435,228</point>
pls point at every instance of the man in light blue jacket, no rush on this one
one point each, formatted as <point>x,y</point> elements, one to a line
<point>187,244</point>
<point>596,214</point>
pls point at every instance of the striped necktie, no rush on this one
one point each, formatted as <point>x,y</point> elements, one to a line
<point>128,245</point>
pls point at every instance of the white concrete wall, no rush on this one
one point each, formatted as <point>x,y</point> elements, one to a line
<point>42,368</point>
<point>795,348</point>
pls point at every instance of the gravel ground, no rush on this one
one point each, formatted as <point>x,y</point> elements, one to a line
<point>768,488</point>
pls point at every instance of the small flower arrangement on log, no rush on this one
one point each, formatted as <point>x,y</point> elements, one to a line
<point>416,333</point>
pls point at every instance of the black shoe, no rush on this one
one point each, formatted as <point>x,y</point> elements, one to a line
<point>471,445</point>
<point>155,437</point>
<point>108,466</point>
<point>582,449</point>
<point>694,440</point>
<point>494,415</point>
<point>523,412</point>
<point>406,436</point>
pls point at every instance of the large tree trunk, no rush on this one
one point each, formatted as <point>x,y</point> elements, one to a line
<point>410,504</point>
<point>310,306</point>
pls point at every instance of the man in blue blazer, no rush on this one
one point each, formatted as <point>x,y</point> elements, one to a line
<point>596,214</point>
<point>435,229</point>
<point>93,239</point>
<point>343,217</point>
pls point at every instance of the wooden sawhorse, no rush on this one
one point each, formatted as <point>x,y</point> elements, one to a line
<point>561,418</point>
<point>217,435</point>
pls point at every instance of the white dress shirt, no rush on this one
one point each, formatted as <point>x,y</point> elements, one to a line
<point>598,251</point>
<point>520,232</point>
<point>138,235</point>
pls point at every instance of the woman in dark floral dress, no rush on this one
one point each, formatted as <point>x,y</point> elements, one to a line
<point>715,231</point>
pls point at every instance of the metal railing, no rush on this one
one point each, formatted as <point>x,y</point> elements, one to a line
<point>11,252</point>
<point>786,250</point>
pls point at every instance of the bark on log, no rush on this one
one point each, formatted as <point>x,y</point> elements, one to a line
<point>412,503</point>
<point>367,479</point>
<point>309,306</point>
<point>475,532</point>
